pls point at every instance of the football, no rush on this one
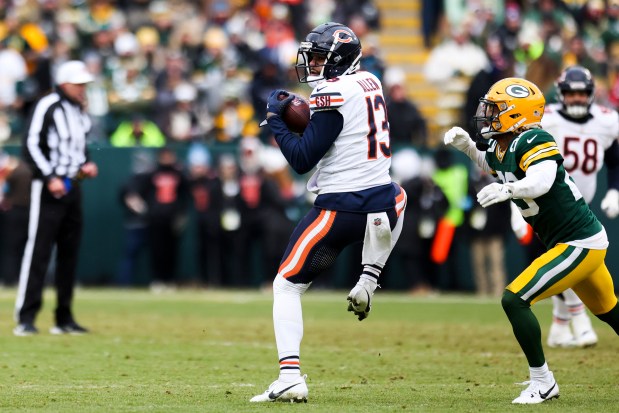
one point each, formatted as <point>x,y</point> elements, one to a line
<point>297,114</point>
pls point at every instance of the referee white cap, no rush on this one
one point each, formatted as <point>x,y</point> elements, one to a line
<point>74,72</point>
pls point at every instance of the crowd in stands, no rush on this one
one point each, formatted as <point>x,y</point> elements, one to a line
<point>483,41</point>
<point>196,75</point>
<point>194,70</point>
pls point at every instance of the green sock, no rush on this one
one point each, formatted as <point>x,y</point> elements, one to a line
<point>526,328</point>
<point>611,317</point>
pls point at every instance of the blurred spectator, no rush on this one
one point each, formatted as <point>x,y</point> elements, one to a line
<point>137,132</point>
<point>530,47</point>
<point>441,65</point>
<point>406,123</point>
<point>423,212</point>
<point>499,66</point>
<point>173,74</point>
<point>97,95</point>
<point>166,196</point>
<point>371,60</point>
<point>508,31</point>
<point>206,191</point>
<point>135,220</point>
<point>431,11</point>
<point>183,123</point>
<point>543,71</point>
<point>265,80</point>
<point>263,214</point>
<point>236,118</point>
<point>229,242</point>
<point>131,89</point>
<point>366,9</point>
<point>577,54</point>
<point>550,9</point>
<point>279,195</point>
<point>489,228</point>
<point>12,71</point>
<point>452,178</point>
<point>482,16</point>
<point>15,177</point>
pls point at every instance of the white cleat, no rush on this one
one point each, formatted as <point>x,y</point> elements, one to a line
<point>538,392</point>
<point>583,331</point>
<point>560,335</point>
<point>360,299</point>
<point>293,392</point>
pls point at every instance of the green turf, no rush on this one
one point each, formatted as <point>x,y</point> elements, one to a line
<point>205,351</point>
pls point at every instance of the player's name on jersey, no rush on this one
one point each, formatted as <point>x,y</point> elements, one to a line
<point>368,84</point>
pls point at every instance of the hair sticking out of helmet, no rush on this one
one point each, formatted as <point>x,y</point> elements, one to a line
<point>575,88</point>
<point>328,51</point>
<point>511,105</point>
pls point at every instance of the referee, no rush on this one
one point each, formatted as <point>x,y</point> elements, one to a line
<point>55,147</point>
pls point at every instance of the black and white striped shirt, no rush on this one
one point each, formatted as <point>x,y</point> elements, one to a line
<point>55,141</point>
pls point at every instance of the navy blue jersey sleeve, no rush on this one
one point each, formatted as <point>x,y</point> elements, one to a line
<point>303,153</point>
<point>611,159</point>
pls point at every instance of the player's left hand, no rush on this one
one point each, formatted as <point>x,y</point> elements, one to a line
<point>494,193</point>
<point>610,203</point>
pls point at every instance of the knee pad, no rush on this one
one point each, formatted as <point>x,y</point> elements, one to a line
<point>283,286</point>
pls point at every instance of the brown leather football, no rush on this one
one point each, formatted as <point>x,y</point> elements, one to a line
<point>296,115</point>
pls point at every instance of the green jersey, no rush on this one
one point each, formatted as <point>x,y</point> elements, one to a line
<point>559,216</point>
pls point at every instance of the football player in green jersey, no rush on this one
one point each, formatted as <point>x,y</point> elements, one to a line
<point>529,166</point>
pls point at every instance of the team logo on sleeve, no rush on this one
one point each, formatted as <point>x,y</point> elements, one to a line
<point>517,91</point>
<point>326,101</point>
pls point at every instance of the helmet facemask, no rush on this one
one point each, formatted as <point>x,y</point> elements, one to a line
<point>576,110</point>
<point>304,66</point>
<point>486,118</point>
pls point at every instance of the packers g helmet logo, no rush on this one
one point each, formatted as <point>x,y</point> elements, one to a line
<point>517,91</point>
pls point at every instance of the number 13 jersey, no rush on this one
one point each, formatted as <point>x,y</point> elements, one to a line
<point>360,157</point>
<point>582,144</point>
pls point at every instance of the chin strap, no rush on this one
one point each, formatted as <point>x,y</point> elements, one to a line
<point>480,143</point>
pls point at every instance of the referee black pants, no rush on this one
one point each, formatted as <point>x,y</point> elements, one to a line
<point>51,222</point>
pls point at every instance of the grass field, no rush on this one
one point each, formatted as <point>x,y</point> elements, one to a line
<point>210,351</point>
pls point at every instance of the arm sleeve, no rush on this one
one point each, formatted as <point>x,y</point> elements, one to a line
<point>538,180</point>
<point>303,153</point>
<point>611,159</point>
<point>476,156</point>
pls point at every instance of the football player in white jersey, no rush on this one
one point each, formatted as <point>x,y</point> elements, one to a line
<point>586,134</point>
<point>347,141</point>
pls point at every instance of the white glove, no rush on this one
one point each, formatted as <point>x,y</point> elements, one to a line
<point>493,193</point>
<point>458,138</point>
<point>610,203</point>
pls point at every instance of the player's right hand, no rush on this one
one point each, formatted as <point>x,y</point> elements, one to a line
<point>275,105</point>
<point>610,203</point>
<point>457,137</point>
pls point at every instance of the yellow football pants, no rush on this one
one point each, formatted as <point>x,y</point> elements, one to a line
<point>563,267</point>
